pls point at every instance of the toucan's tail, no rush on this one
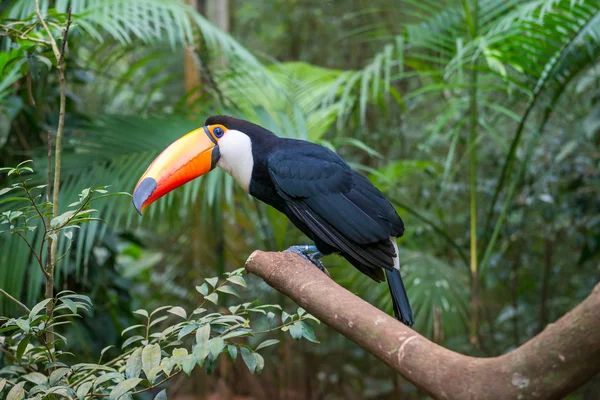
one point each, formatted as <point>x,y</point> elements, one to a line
<point>402,309</point>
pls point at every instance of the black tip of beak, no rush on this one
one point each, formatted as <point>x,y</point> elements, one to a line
<point>143,192</point>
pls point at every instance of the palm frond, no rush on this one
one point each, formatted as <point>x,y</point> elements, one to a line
<point>548,66</point>
<point>153,22</point>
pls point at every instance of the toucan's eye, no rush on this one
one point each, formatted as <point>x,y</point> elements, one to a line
<point>218,132</point>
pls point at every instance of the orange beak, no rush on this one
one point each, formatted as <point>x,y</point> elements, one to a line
<point>189,157</point>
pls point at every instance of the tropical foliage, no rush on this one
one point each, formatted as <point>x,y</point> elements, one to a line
<point>478,119</point>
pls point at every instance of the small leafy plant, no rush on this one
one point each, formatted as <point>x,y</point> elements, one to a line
<point>30,209</point>
<point>166,342</point>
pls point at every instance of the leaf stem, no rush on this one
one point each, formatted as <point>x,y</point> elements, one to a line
<point>23,306</point>
<point>34,253</point>
<point>23,35</point>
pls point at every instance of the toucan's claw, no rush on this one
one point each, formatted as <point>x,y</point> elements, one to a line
<point>309,253</point>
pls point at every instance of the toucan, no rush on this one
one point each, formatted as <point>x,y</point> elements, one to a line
<point>339,209</point>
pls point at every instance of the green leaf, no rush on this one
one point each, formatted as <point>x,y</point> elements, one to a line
<point>234,309</point>
<point>310,316</point>
<point>260,363</point>
<point>124,387</point>
<point>158,320</point>
<point>203,290</point>
<point>237,280</point>
<point>159,309</point>
<point>213,298</point>
<point>212,281</point>
<point>308,333</point>
<point>267,343</point>
<point>84,389</point>
<point>238,333</point>
<point>23,324</point>
<point>188,364</point>
<point>62,219</point>
<point>162,395</point>
<point>62,391</point>
<point>284,316</point>
<point>150,360</point>
<point>131,328</point>
<point>131,340</point>
<point>199,310</point>
<point>22,347</point>
<point>296,330</point>
<point>81,297</point>
<point>9,328</point>
<point>179,311</point>
<point>6,190</point>
<point>108,377</point>
<point>141,312</point>
<point>38,307</point>
<point>2,384</point>
<point>35,377</point>
<point>17,392</point>
<point>200,352</point>
<point>203,334</point>
<point>186,330</point>
<point>133,368</point>
<point>249,359</point>
<point>215,346</point>
<point>232,350</point>
<point>70,304</point>
<point>228,289</point>
<point>58,374</point>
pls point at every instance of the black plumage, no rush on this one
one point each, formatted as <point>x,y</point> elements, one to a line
<point>335,206</point>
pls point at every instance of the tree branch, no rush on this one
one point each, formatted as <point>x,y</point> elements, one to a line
<point>555,362</point>
<point>23,306</point>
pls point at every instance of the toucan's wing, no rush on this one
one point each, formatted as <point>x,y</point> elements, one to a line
<point>339,205</point>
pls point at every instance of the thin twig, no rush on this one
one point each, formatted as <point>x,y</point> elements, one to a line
<point>50,355</point>
<point>59,55</point>
<point>20,35</point>
<point>23,306</point>
<point>34,253</point>
<point>64,38</point>
<point>32,200</point>
<point>48,194</point>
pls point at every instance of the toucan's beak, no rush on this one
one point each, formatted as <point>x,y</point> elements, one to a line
<point>189,157</point>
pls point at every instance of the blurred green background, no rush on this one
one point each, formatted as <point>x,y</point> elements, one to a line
<point>482,110</point>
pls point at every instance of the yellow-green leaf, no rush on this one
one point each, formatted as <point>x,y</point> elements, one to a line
<point>124,387</point>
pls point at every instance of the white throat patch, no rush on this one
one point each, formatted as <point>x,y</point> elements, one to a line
<point>236,157</point>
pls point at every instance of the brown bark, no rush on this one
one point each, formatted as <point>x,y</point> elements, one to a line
<point>555,362</point>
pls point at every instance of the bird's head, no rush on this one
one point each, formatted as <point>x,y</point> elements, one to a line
<point>224,141</point>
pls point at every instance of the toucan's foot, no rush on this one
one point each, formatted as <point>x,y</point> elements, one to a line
<point>302,249</point>
<point>309,253</point>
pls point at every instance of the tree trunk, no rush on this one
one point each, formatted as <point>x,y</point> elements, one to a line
<point>552,364</point>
